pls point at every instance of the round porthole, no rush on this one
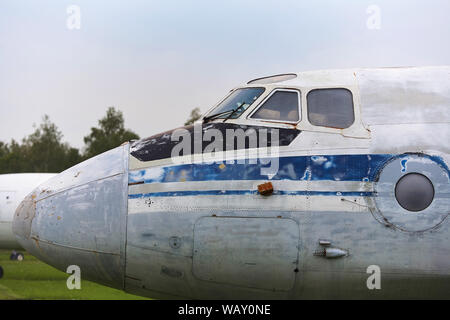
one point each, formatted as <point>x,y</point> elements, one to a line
<point>414,192</point>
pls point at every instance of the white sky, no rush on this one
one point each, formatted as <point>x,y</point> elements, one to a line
<point>156,60</point>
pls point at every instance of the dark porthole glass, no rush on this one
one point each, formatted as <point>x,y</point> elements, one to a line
<point>331,108</point>
<point>414,192</point>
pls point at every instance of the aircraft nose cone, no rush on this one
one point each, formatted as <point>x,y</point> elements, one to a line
<point>78,218</point>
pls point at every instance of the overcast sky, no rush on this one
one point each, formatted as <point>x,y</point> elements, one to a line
<point>156,60</point>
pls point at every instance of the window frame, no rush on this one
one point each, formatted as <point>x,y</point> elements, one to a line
<point>330,88</point>
<point>267,97</point>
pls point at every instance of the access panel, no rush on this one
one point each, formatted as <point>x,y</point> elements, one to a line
<point>250,252</point>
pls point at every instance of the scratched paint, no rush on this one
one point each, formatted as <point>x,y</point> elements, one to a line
<point>337,167</point>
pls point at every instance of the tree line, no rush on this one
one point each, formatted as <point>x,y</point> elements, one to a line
<point>44,151</point>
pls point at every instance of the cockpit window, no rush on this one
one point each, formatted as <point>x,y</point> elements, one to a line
<point>236,103</point>
<point>282,105</point>
<point>331,108</point>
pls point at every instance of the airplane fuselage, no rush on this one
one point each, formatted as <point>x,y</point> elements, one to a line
<point>357,204</point>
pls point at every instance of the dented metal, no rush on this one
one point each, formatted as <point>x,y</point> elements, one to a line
<point>79,218</point>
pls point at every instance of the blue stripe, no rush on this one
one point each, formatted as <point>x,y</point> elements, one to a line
<point>362,167</point>
<point>248,192</point>
<point>334,168</point>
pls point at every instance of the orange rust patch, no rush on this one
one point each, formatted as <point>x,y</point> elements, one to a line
<point>265,189</point>
<point>222,166</point>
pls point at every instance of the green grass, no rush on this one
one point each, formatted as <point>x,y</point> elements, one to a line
<point>33,279</point>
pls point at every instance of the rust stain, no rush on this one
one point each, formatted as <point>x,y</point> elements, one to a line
<point>37,242</point>
<point>222,166</point>
<point>135,183</point>
<point>265,189</point>
<point>37,245</point>
<point>58,217</point>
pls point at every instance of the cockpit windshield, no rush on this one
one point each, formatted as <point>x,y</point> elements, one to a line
<point>236,103</point>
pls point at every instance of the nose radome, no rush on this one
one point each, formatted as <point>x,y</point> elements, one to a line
<point>78,218</point>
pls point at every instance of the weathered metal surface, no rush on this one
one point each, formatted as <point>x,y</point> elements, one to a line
<point>420,95</point>
<point>79,218</point>
<point>90,209</point>
<point>247,252</point>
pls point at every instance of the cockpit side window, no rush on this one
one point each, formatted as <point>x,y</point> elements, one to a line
<point>330,108</point>
<point>281,105</point>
